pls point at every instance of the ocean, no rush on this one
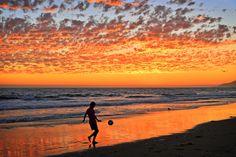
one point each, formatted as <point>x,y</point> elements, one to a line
<point>24,107</point>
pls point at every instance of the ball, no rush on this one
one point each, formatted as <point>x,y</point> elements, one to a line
<point>110,122</point>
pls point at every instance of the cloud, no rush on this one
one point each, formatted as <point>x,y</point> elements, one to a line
<point>52,9</point>
<point>65,51</point>
<point>181,2</point>
<point>108,2</point>
<point>117,37</point>
<point>15,7</point>
<point>201,18</point>
<point>160,20</point>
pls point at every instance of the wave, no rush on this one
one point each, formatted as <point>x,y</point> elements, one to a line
<point>54,97</point>
<point>122,102</point>
<point>6,97</point>
<point>139,96</point>
<point>46,106</point>
<point>34,118</point>
<point>16,99</point>
<point>25,97</point>
<point>89,95</point>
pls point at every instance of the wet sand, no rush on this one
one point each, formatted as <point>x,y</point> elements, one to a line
<point>212,139</point>
<point>60,139</point>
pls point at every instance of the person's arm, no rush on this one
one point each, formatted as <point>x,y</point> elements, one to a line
<point>97,119</point>
<point>85,116</point>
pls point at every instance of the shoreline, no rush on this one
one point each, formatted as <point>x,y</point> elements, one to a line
<point>215,138</point>
<point>161,107</point>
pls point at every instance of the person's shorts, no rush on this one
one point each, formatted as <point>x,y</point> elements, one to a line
<point>93,125</point>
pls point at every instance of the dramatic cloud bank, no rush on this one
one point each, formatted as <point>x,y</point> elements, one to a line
<point>115,36</point>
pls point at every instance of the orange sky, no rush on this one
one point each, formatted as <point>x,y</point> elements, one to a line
<point>116,44</point>
<point>173,79</point>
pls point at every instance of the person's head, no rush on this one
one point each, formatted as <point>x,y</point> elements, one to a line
<point>92,104</point>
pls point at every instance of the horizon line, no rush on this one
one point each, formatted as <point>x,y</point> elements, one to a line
<point>107,86</point>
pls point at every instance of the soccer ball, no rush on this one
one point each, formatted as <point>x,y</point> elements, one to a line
<point>110,122</point>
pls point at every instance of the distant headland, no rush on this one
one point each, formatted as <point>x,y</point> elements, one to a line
<point>230,84</point>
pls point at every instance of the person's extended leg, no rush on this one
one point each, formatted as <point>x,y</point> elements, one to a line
<point>89,138</point>
<point>95,135</point>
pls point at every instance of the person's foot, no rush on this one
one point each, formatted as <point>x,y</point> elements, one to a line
<point>89,138</point>
<point>95,142</point>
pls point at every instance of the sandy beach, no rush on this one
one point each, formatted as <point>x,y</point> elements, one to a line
<point>126,134</point>
<point>212,139</point>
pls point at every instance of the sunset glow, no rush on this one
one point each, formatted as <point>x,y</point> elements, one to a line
<point>125,43</point>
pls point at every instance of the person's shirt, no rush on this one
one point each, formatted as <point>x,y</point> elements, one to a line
<point>91,114</point>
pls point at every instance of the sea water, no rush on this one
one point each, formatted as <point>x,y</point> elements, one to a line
<point>21,107</point>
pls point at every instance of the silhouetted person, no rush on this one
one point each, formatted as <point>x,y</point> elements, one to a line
<point>92,121</point>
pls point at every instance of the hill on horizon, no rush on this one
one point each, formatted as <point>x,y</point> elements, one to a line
<point>230,84</point>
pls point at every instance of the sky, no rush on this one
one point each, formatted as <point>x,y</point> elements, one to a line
<point>117,43</point>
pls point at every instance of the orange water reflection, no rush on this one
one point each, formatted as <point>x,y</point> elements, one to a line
<point>41,141</point>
